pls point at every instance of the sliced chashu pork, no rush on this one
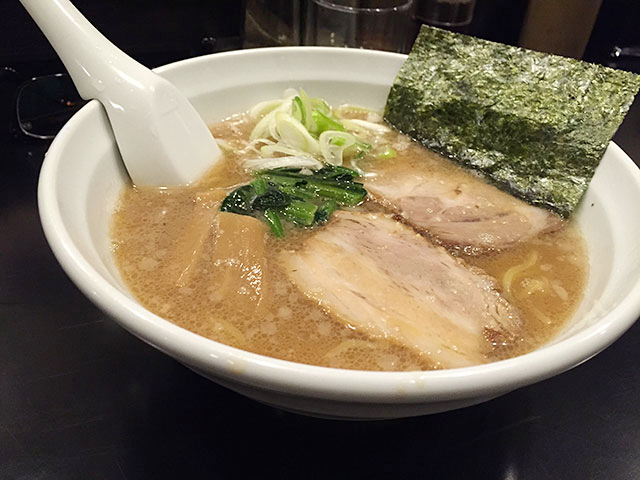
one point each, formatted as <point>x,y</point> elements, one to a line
<point>380,277</point>
<point>458,210</point>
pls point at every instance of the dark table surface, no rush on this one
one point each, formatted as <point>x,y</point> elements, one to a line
<point>80,398</point>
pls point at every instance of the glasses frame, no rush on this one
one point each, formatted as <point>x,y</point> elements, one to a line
<point>19,127</point>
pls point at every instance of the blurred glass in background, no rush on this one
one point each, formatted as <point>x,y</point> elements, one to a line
<point>450,14</point>
<point>34,103</point>
<point>373,24</point>
<point>272,23</point>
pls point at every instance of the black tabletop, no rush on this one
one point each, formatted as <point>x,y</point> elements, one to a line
<point>80,398</point>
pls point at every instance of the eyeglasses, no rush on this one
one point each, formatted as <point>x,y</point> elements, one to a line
<point>44,104</point>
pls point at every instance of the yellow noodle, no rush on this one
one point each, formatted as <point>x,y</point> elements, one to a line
<point>509,277</point>
<point>534,285</point>
<point>232,330</point>
<point>541,317</point>
<point>347,345</point>
<point>560,291</point>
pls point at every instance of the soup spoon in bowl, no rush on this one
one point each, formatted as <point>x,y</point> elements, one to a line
<point>163,141</point>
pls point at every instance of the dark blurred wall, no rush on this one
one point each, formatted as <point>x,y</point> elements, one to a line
<point>498,20</point>
<point>153,32</point>
<point>617,25</point>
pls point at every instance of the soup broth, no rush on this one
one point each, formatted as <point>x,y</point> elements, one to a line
<point>543,277</point>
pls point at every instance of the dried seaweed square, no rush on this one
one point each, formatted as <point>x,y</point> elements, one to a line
<point>534,124</point>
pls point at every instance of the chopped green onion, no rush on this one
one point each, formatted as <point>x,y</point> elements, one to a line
<point>388,152</point>
<point>298,111</point>
<point>291,161</point>
<point>293,133</point>
<point>264,108</point>
<point>320,105</point>
<point>302,126</point>
<point>307,120</point>
<point>333,145</point>
<point>325,122</point>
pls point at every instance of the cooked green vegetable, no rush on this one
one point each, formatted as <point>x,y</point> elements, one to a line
<point>325,210</point>
<point>300,212</point>
<point>301,197</point>
<point>535,124</point>
<point>240,200</point>
<point>273,220</point>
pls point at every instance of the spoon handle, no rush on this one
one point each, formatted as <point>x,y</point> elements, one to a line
<point>161,137</point>
<point>91,59</point>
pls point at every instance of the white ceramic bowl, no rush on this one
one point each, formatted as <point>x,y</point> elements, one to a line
<point>82,176</point>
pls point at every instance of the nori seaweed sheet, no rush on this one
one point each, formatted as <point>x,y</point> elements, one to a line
<point>534,124</point>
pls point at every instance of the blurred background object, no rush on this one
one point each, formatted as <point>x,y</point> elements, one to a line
<point>373,24</point>
<point>562,28</point>
<point>44,104</point>
<point>162,31</point>
<point>123,409</point>
<point>615,38</point>
<point>451,14</point>
<point>154,32</point>
<point>272,23</point>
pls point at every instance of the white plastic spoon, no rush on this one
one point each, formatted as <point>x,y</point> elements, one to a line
<point>162,139</point>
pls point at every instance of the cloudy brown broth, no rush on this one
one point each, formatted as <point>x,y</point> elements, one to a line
<point>543,277</point>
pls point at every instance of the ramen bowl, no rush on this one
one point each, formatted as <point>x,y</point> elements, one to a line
<point>82,176</point>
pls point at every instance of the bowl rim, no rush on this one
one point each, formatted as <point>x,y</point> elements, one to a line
<point>259,371</point>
